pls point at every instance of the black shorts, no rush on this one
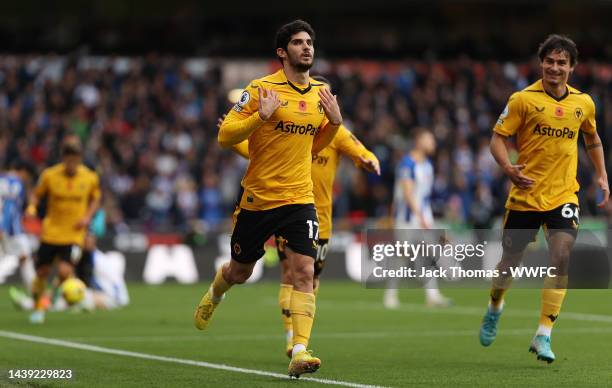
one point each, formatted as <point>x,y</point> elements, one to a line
<point>47,253</point>
<point>521,227</point>
<point>297,225</point>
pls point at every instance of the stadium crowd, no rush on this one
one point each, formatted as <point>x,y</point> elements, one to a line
<point>149,125</point>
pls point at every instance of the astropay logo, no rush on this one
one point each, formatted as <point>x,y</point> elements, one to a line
<point>293,128</point>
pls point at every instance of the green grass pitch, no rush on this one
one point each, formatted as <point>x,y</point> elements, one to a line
<point>356,338</point>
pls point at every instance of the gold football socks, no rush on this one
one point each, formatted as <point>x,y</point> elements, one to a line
<point>284,302</point>
<point>553,294</point>
<point>302,316</point>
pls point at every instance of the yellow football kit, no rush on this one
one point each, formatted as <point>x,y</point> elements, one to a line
<point>546,130</point>
<point>279,171</point>
<point>324,166</point>
<point>68,198</point>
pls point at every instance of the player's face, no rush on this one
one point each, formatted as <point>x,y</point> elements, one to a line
<point>556,68</point>
<point>427,143</point>
<point>300,51</point>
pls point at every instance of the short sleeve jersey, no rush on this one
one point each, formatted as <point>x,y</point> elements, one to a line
<point>546,130</point>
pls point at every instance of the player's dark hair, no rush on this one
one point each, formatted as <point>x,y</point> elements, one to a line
<point>559,43</point>
<point>284,34</point>
<point>71,146</point>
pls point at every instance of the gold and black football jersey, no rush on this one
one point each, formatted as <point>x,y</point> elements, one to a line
<point>68,198</point>
<point>324,166</point>
<point>546,130</point>
<point>279,171</point>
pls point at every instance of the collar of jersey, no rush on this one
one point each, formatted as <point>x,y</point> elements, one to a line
<point>558,99</point>
<point>301,91</point>
<point>297,89</point>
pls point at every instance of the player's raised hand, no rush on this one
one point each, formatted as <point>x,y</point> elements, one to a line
<point>517,177</point>
<point>330,105</point>
<point>220,120</point>
<point>268,103</point>
<point>603,185</point>
<point>370,165</point>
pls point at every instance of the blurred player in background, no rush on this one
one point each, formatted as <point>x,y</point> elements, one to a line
<point>13,240</point>
<point>414,179</point>
<point>97,228</point>
<point>108,289</point>
<point>73,196</point>
<point>287,116</point>
<point>546,118</point>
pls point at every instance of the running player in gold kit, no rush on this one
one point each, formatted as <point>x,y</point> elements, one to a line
<point>546,118</point>
<point>73,196</point>
<point>286,116</point>
<point>324,166</point>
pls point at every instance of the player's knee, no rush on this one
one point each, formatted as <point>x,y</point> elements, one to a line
<point>560,262</point>
<point>303,274</point>
<point>286,277</point>
<point>512,257</point>
<point>238,276</point>
<point>64,271</point>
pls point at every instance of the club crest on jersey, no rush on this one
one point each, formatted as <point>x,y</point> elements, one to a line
<point>320,107</point>
<point>285,103</point>
<point>244,99</point>
<point>578,113</point>
<point>302,106</point>
<point>237,248</point>
<point>559,111</point>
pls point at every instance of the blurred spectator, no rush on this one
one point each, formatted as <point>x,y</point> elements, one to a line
<point>149,128</point>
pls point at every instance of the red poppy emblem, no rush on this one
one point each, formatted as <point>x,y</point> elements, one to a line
<point>302,106</point>
<point>559,111</point>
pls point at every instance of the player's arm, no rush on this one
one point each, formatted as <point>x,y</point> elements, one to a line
<point>41,189</point>
<point>331,108</point>
<point>596,154</point>
<point>238,126</point>
<point>499,150</point>
<point>350,146</point>
<point>93,206</point>
<point>511,119</point>
<point>241,148</point>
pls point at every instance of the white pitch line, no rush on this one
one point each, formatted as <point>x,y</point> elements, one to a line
<point>99,349</point>
<point>348,336</point>
<point>463,310</point>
